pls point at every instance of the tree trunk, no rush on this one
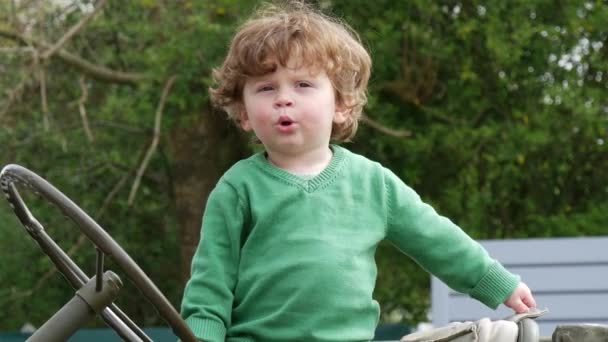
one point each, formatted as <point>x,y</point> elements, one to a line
<point>202,150</point>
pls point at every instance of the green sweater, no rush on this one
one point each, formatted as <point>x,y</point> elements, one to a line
<point>283,258</point>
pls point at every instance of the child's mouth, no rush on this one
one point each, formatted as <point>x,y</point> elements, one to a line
<point>285,124</point>
<point>285,121</point>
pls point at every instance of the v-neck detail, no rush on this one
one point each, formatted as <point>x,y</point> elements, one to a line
<point>308,184</point>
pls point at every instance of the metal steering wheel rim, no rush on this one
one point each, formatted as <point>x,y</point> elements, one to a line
<point>12,174</point>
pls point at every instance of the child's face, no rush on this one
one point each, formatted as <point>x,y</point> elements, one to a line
<point>291,110</point>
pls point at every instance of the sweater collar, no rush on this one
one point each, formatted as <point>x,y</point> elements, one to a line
<point>309,184</point>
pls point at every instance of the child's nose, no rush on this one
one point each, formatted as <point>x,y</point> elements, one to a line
<point>283,99</point>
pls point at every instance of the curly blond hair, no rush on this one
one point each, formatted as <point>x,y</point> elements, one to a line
<point>278,33</point>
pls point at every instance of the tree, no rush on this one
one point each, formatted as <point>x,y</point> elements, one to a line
<point>123,117</point>
<point>503,99</point>
<point>494,112</point>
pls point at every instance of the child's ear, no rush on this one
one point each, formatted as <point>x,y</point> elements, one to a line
<point>343,110</point>
<point>341,114</point>
<point>244,121</point>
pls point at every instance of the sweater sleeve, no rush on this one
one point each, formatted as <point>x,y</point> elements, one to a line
<point>442,248</point>
<point>208,296</point>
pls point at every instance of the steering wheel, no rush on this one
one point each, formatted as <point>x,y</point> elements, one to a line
<point>10,176</point>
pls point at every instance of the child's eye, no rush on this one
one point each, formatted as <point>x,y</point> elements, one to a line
<point>265,88</point>
<point>303,84</point>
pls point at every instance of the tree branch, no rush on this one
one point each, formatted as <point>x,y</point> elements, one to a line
<point>43,96</point>
<point>100,72</point>
<point>119,185</point>
<point>438,116</point>
<point>82,109</point>
<point>155,139</point>
<point>14,36</point>
<point>385,130</point>
<point>95,71</point>
<point>72,31</point>
<point>16,50</point>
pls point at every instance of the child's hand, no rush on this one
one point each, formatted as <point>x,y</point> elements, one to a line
<point>521,299</point>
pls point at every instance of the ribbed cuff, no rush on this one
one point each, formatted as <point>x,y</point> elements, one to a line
<point>206,329</point>
<point>240,339</point>
<point>496,286</point>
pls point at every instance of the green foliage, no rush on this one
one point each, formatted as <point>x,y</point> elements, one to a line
<point>507,105</point>
<point>154,38</point>
<point>506,102</point>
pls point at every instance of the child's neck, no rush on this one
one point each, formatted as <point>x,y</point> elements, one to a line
<point>307,163</point>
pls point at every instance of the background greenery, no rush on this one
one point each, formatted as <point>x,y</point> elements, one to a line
<point>498,111</point>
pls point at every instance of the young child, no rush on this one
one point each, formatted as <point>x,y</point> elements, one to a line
<point>289,234</point>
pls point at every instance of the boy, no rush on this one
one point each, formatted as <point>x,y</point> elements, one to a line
<point>289,235</point>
